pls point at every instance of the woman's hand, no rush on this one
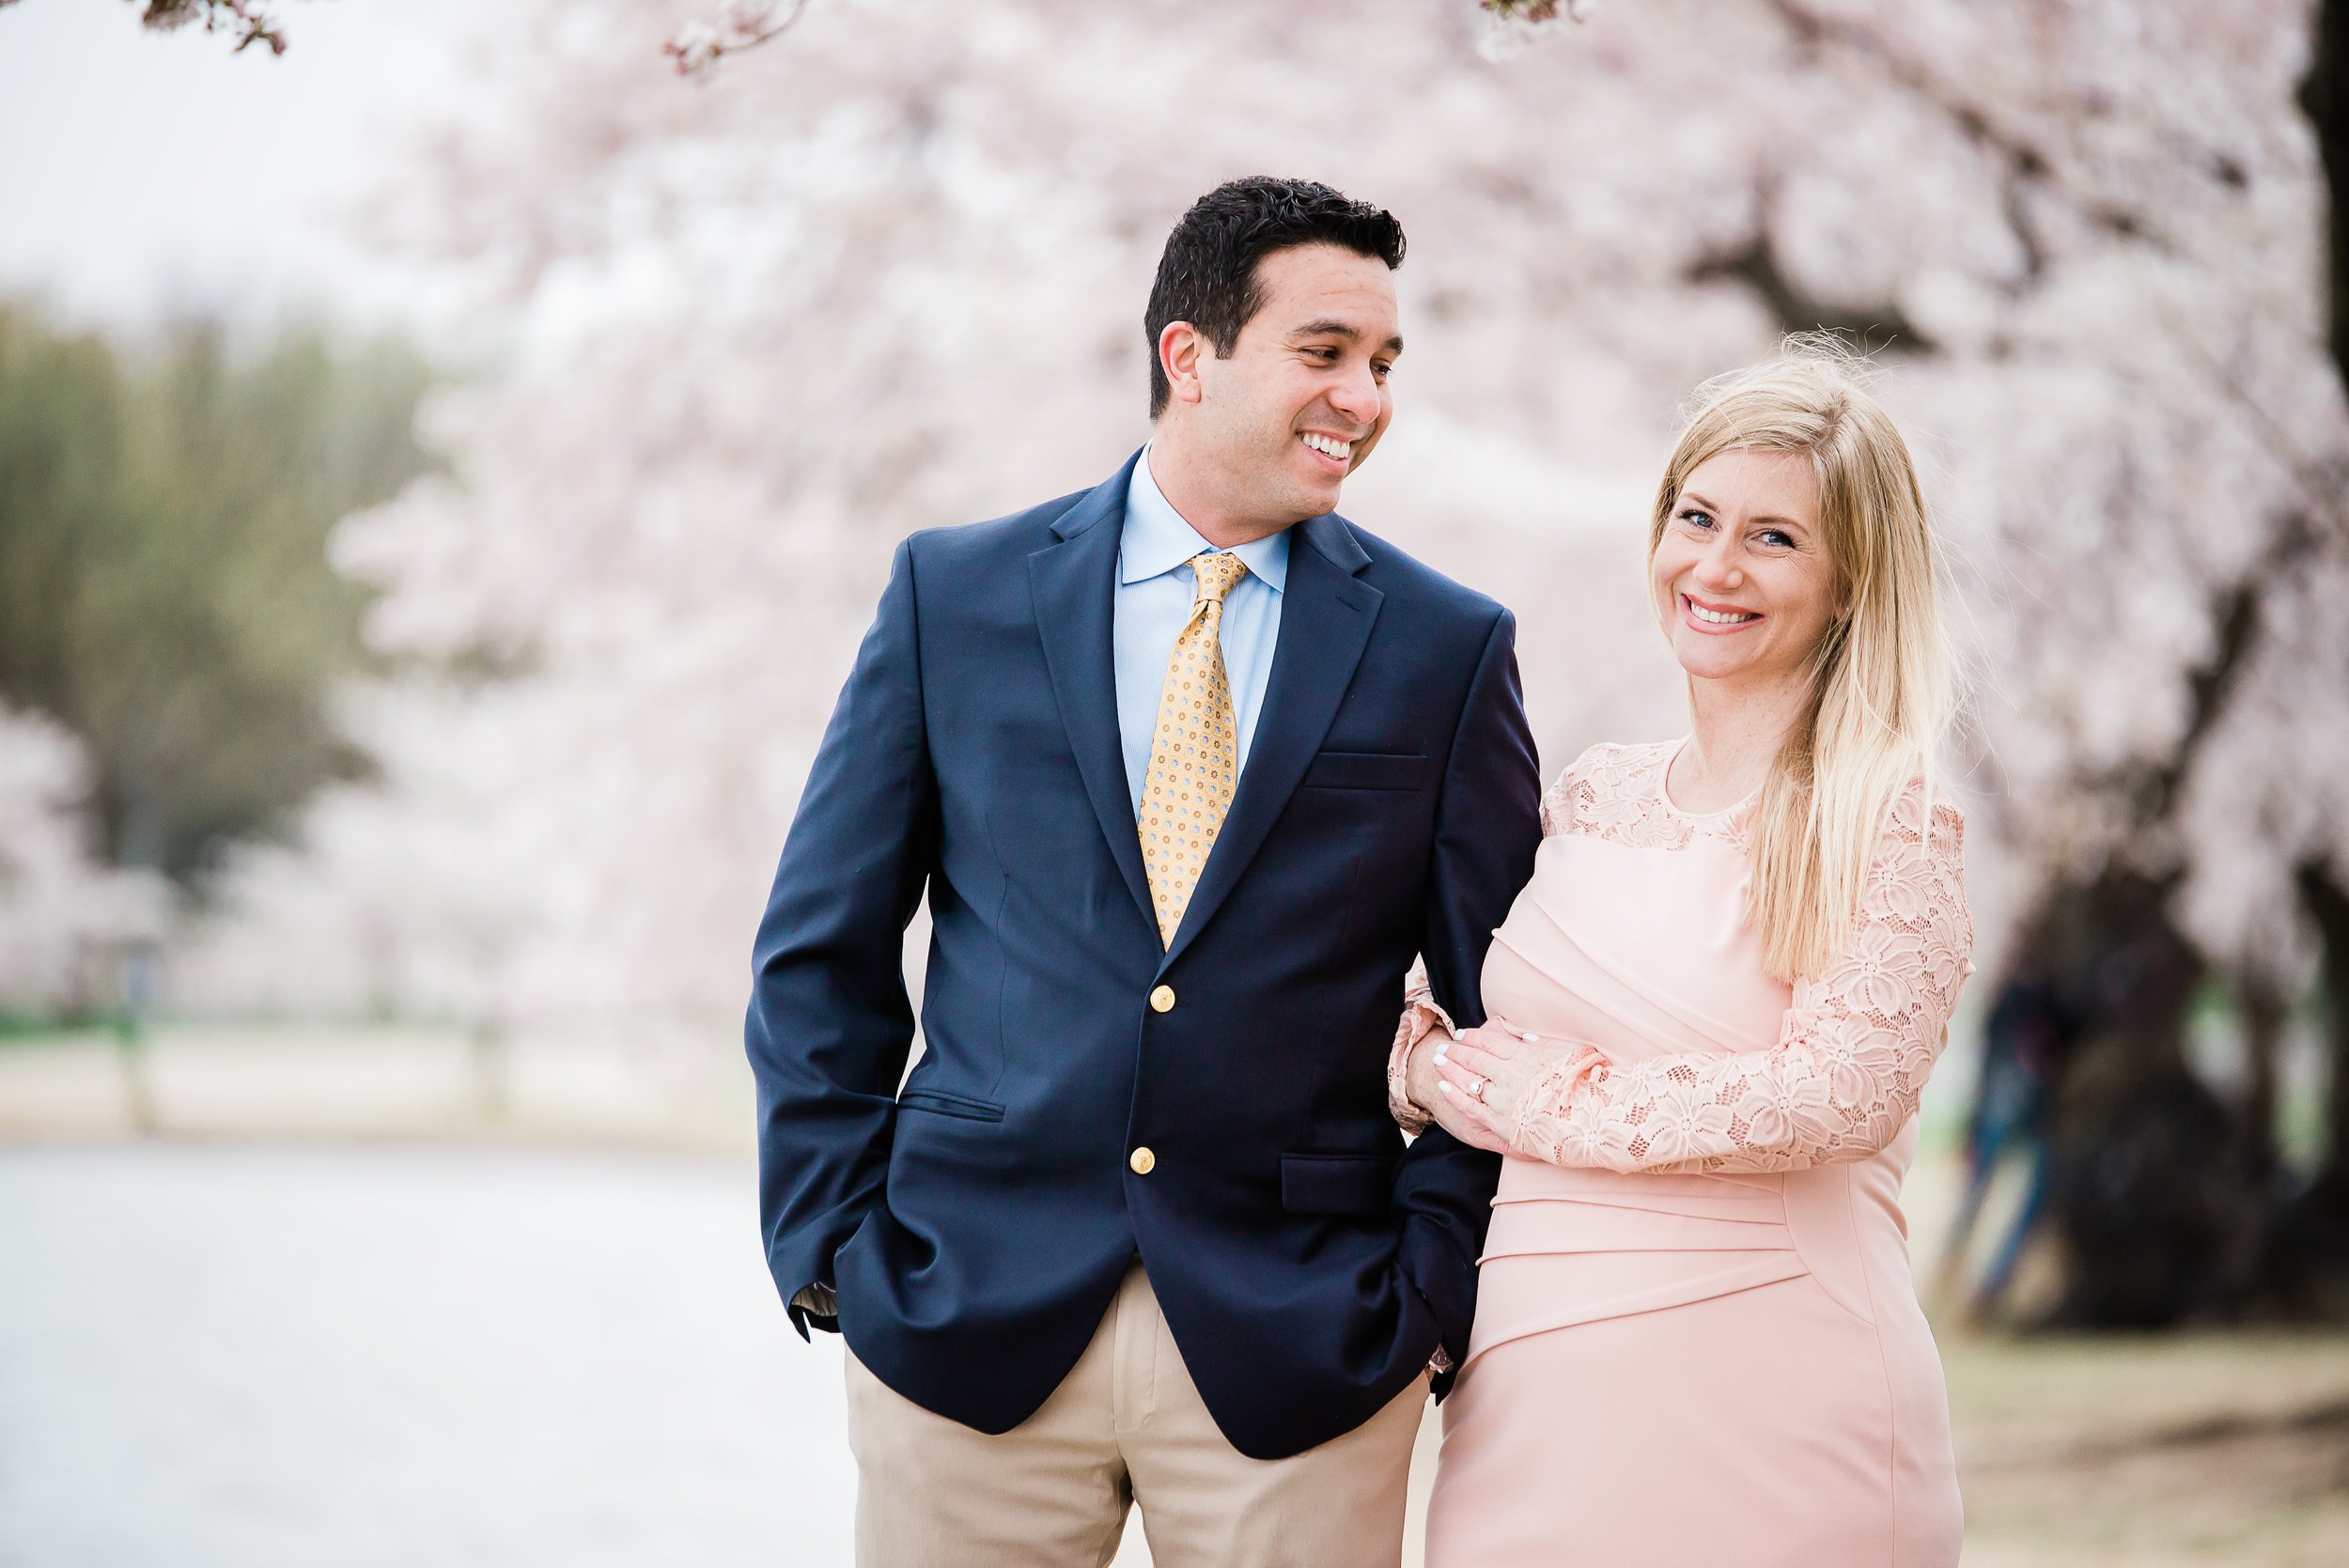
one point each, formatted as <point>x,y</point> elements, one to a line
<point>1483,1077</point>
<point>1426,1082</point>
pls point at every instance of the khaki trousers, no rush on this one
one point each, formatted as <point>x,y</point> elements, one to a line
<point>1126,1426</point>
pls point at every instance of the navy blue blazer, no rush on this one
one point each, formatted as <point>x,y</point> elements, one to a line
<point>976,1223</point>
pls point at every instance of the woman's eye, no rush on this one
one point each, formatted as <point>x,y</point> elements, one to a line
<point>1777,539</point>
<point>1696,519</point>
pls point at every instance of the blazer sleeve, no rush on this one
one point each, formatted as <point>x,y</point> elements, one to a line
<point>830,1023</point>
<point>1487,827</point>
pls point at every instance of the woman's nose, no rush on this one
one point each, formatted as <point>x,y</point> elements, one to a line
<point>1718,567</point>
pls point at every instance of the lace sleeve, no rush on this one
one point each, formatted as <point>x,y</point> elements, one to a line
<point>1421,1017</point>
<point>1852,1056</point>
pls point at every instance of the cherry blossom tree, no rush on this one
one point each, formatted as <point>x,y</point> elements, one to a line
<point>889,274</point>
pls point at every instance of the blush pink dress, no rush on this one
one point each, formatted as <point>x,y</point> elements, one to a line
<point>1697,1341</point>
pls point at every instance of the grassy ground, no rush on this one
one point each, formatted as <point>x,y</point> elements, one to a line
<point>2202,1448</point>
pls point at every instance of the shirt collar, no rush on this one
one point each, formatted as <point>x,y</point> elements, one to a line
<point>1157,539</point>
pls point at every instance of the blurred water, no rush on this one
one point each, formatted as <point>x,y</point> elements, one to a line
<point>313,1358</point>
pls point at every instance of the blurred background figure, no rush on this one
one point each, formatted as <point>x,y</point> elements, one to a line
<point>448,454</point>
<point>2023,1040</point>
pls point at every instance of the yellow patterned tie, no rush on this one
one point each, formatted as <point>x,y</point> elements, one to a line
<point>1194,756</point>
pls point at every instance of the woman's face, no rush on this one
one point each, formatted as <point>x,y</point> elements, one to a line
<point>1741,578</point>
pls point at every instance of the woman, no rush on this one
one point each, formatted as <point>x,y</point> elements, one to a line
<point>1712,1010</point>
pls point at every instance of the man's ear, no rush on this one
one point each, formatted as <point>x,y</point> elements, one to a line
<point>1181,347</point>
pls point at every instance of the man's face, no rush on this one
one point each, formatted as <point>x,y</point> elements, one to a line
<point>1303,397</point>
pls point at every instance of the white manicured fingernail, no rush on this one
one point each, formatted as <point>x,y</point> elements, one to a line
<point>1445,1088</point>
<point>1442,1051</point>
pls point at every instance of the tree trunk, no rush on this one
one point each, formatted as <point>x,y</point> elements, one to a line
<point>2328,904</point>
<point>2310,1253</point>
<point>2325,99</point>
<point>2265,1013</point>
<point>2158,1215</point>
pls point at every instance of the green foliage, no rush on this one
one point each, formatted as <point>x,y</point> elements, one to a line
<point>164,583</point>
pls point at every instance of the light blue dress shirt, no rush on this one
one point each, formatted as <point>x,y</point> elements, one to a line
<point>1155,590</point>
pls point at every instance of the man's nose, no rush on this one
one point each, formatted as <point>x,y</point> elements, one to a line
<point>1355,398</point>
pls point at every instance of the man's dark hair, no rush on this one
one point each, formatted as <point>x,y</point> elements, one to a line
<point>1208,275</point>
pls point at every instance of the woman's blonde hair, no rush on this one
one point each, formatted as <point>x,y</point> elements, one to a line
<point>1882,688</point>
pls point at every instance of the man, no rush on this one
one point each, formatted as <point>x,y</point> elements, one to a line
<point>1191,767</point>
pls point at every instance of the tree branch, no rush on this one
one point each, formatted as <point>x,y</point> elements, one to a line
<point>1755,264</point>
<point>245,19</point>
<point>739,24</point>
<point>2025,163</point>
<point>2325,99</point>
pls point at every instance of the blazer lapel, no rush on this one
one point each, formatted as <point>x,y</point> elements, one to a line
<point>1326,616</point>
<point>1074,585</point>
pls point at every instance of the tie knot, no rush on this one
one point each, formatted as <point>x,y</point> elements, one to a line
<point>1216,571</point>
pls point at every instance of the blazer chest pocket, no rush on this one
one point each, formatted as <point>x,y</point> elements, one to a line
<point>1365,770</point>
<point>1337,1183</point>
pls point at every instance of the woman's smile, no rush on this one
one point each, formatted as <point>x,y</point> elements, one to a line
<point>1715,620</point>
